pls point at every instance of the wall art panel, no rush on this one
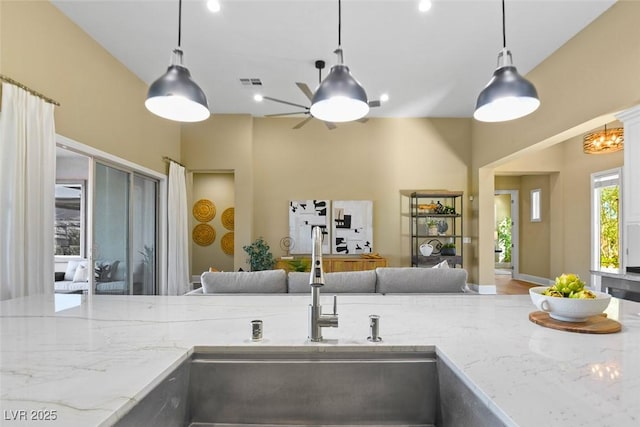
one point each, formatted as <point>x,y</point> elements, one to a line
<point>303,215</point>
<point>352,227</point>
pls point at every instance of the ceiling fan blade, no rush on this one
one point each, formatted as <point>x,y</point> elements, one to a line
<point>305,89</point>
<point>375,103</point>
<point>285,102</point>
<point>302,123</point>
<point>330,125</point>
<point>363,120</point>
<point>287,114</point>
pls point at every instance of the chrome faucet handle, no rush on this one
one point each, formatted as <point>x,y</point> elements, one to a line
<point>374,324</point>
<point>335,305</point>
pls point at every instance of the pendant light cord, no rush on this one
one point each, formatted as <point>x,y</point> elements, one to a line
<point>340,23</point>
<point>504,31</point>
<point>180,21</point>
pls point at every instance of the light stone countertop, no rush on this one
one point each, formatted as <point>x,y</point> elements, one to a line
<point>90,362</point>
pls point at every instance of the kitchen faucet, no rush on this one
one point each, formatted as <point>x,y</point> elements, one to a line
<point>317,320</point>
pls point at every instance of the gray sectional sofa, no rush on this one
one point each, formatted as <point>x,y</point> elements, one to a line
<point>383,280</point>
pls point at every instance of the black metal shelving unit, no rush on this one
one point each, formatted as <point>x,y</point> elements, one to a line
<point>449,226</point>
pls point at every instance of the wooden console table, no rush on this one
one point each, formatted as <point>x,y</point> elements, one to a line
<point>332,264</point>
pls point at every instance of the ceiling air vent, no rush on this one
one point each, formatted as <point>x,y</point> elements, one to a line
<point>251,82</point>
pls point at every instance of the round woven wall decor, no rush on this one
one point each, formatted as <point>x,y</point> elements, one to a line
<point>204,210</point>
<point>204,234</point>
<point>228,218</point>
<point>226,243</point>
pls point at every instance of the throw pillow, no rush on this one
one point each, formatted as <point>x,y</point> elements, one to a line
<point>105,271</point>
<point>71,269</point>
<point>102,272</point>
<point>443,264</point>
<point>81,274</point>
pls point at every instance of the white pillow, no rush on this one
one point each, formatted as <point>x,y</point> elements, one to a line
<point>443,264</point>
<point>71,268</point>
<point>81,274</point>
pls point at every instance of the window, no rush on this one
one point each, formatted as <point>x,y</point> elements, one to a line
<point>535,205</point>
<point>605,214</point>
<point>69,223</point>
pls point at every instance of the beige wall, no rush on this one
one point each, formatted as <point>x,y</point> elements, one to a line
<point>224,143</point>
<point>371,161</point>
<point>575,90</point>
<point>102,102</point>
<point>534,236</point>
<point>569,171</point>
<point>219,188</point>
<point>577,171</point>
<point>507,182</point>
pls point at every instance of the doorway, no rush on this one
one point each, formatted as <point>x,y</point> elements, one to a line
<point>121,224</point>
<point>125,231</point>
<point>506,214</point>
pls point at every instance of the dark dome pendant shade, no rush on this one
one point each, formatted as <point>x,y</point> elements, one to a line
<point>175,96</point>
<point>508,95</point>
<point>340,97</point>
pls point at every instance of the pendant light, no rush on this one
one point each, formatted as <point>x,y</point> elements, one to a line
<point>339,98</point>
<point>174,95</point>
<point>602,142</point>
<point>508,95</point>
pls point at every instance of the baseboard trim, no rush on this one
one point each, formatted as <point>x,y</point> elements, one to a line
<point>543,281</point>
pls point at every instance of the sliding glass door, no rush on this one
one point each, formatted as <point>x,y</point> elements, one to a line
<point>143,232</point>
<point>125,232</point>
<point>111,231</point>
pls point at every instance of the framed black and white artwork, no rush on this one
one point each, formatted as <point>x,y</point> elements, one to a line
<point>303,215</point>
<point>352,227</point>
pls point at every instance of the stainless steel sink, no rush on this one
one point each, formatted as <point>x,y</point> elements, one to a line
<point>311,386</point>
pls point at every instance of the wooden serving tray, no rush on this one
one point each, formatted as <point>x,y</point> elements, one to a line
<point>594,325</point>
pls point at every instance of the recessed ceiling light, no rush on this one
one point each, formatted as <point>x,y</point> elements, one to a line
<point>257,97</point>
<point>424,5</point>
<point>213,5</point>
<point>384,97</point>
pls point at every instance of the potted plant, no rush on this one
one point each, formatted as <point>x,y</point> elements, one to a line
<point>432,227</point>
<point>260,258</point>
<point>300,264</point>
<point>448,249</point>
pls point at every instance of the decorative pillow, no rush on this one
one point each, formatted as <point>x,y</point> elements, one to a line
<point>71,268</point>
<point>81,274</point>
<point>443,264</point>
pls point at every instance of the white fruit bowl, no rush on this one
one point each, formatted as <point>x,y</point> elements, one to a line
<point>569,309</point>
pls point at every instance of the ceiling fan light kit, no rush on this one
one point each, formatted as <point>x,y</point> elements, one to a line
<point>508,95</point>
<point>175,96</point>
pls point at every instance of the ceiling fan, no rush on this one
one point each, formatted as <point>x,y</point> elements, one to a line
<point>306,109</point>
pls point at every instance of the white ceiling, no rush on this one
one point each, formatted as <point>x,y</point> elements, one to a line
<point>431,65</point>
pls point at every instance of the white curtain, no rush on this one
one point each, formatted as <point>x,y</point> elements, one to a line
<point>178,233</point>
<point>28,168</point>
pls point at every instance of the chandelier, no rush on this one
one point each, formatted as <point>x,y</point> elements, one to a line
<point>603,141</point>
